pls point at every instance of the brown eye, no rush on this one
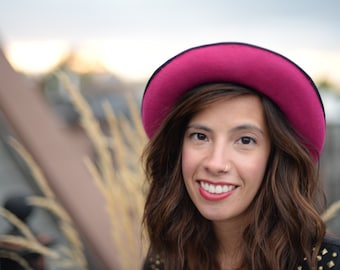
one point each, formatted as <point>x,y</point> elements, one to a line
<point>246,140</point>
<point>199,136</point>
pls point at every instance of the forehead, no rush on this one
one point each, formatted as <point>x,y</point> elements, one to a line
<point>201,97</point>
<point>232,108</point>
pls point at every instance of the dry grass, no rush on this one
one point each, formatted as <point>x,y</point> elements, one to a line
<point>331,211</point>
<point>27,241</point>
<point>117,172</point>
<point>75,256</point>
<point>15,257</point>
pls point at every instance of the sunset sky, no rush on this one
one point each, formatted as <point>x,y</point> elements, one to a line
<point>132,38</point>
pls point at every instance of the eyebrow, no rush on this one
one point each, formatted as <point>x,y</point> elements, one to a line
<point>248,127</point>
<point>198,126</point>
<point>235,129</point>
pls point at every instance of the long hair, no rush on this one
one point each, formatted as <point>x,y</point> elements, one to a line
<point>285,214</point>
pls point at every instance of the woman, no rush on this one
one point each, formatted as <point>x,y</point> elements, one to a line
<point>236,132</point>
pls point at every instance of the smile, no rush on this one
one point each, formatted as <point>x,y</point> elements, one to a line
<point>216,189</point>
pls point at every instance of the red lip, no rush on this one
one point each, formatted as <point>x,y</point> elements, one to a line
<point>214,197</point>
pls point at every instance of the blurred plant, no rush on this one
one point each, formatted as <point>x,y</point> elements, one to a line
<point>13,256</point>
<point>12,244</point>
<point>118,175</point>
<point>331,211</point>
<point>117,171</point>
<point>325,84</point>
<point>67,256</point>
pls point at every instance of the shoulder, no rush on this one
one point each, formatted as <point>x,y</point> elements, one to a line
<point>329,255</point>
<point>332,241</point>
<point>153,263</point>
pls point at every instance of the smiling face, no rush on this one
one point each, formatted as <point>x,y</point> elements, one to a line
<point>225,151</point>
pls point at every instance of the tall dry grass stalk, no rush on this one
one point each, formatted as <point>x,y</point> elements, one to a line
<point>331,211</point>
<point>75,256</point>
<point>27,241</point>
<point>117,172</point>
<point>13,256</point>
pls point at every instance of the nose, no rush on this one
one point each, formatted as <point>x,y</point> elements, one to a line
<point>218,159</point>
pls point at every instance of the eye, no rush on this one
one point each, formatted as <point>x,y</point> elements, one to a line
<point>246,140</point>
<point>198,136</point>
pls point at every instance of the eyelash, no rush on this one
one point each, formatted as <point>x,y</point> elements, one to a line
<point>248,138</point>
<point>198,136</point>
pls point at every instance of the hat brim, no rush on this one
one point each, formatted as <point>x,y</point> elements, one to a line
<point>258,68</point>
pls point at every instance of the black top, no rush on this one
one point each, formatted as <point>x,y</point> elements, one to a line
<point>328,258</point>
<point>329,255</point>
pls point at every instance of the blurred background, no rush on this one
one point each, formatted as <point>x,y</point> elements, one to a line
<point>60,61</point>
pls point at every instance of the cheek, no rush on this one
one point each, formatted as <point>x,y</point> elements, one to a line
<point>257,170</point>
<point>188,163</point>
<point>185,163</point>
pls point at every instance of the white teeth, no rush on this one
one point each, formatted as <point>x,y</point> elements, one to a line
<point>216,189</point>
<point>211,189</point>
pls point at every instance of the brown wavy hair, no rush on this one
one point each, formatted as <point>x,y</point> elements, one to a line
<point>285,213</point>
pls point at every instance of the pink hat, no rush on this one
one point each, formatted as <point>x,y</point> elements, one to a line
<point>260,69</point>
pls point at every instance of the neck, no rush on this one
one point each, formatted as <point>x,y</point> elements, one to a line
<point>231,241</point>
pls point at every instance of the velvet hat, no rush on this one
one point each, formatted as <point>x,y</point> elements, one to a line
<point>260,69</point>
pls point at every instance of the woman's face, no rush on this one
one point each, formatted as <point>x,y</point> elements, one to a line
<point>225,152</point>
